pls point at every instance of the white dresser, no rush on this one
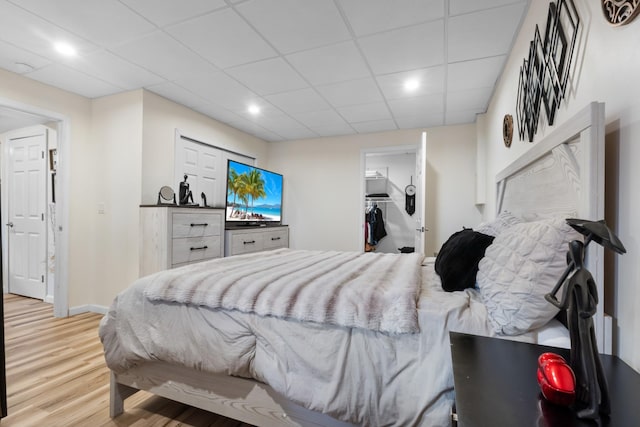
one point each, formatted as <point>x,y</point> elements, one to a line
<point>245,240</point>
<point>174,236</point>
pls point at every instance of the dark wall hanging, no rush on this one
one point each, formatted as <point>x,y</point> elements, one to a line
<point>544,74</point>
<point>620,12</point>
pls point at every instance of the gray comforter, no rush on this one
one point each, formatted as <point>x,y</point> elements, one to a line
<point>357,375</point>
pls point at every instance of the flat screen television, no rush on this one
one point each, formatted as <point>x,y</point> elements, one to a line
<point>254,196</point>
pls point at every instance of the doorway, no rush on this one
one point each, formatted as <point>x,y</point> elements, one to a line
<point>28,210</point>
<point>393,199</point>
<point>53,213</point>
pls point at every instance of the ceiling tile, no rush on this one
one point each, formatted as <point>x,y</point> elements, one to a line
<point>373,16</point>
<point>223,38</point>
<point>334,130</point>
<point>293,25</point>
<point>431,80</point>
<point>298,133</point>
<point>319,119</point>
<point>457,7</point>
<point>474,74</point>
<point>36,35</point>
<point>366,112</point>
<point>176,93</point>
<point>19,60</point>
<point>105,22</point>
<point>395,51</point>
<point>219,88</point>
<point>66,78</point>
<point>254,129</point>
<point>266,114</point>
<point>220,113</point>
<point>163,13</point>
<point>416,106</point>
<point>330,64</point>
<point>110,68</point>
<point>283,124</point>
<point>422,121</point>
<point>374,126</point>
<point>485,33</point>
<point>364,91</point>
<point>268,76</point>
<point>461,117</point>
<point>470,99</point>
<point>172,61</point>
<point>298,101</point>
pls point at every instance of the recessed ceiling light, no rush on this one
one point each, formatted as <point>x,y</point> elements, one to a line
<point>254,109</point>
<point>65,49</point>
<point>411,85</point>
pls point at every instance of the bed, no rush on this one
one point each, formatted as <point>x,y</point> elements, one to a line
<point>381,361</point>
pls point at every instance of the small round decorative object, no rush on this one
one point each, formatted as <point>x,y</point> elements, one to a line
<point>410,190</point>
<point>507,130</point>
<point>620,12</point>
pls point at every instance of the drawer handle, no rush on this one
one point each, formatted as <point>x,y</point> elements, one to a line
<point>275,238</point>
<point>201,248</point>
<point>204,224</point>
<point>250,242</point>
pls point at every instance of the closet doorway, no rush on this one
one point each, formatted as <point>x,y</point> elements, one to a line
<point>393,199</point>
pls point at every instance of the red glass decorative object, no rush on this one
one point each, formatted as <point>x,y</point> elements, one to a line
<point>556,379</point>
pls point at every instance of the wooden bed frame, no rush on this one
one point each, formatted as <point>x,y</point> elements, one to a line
<point>564,172</point>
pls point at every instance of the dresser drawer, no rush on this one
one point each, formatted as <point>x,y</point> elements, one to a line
<point>196,224</point>
<point>276,239</point>
<point>245,243</point>
<point>190,249</point>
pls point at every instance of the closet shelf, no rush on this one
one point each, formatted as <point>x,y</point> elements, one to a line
<point>378,199</point>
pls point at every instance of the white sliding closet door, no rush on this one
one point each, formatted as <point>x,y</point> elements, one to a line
<point>206,169</point>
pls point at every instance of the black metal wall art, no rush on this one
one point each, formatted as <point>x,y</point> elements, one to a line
<point>620,12</point>
<point>544,74</point>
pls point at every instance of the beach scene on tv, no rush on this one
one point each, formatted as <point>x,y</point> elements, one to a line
<point>253,194</point>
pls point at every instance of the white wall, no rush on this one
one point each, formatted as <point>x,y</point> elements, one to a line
<point>115,193</point>
<point>322,185</point>
<point>161,119</point>
<point>607,65</point>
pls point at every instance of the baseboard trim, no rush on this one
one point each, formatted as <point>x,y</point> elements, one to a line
<point>88,308</point>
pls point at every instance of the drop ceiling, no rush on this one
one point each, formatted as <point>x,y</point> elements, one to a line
<point>314,68</point>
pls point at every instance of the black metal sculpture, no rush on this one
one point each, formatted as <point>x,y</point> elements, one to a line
<point>580,301</point>
<point>185,196</point>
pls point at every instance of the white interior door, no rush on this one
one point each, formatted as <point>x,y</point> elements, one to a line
<point>26,225</point>
<point>421,186</point>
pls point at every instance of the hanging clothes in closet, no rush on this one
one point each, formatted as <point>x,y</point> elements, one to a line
<point>374,230</point>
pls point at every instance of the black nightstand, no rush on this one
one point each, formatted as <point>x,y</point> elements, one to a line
<point>495,384</point>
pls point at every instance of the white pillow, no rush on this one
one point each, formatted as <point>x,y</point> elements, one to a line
<point>503,221</point>
<point>523,263</point>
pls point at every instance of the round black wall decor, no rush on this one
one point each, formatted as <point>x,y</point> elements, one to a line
<point>620,12</point>
<point>507,130</point>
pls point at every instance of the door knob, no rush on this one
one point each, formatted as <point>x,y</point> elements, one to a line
<point>10,224</point>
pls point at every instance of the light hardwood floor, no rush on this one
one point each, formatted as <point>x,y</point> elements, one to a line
<point>56,376</point>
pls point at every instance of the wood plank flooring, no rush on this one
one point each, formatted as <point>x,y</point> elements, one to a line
<point>56,376</point>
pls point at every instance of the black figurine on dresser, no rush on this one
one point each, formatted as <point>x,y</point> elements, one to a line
<point>580,301</point>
